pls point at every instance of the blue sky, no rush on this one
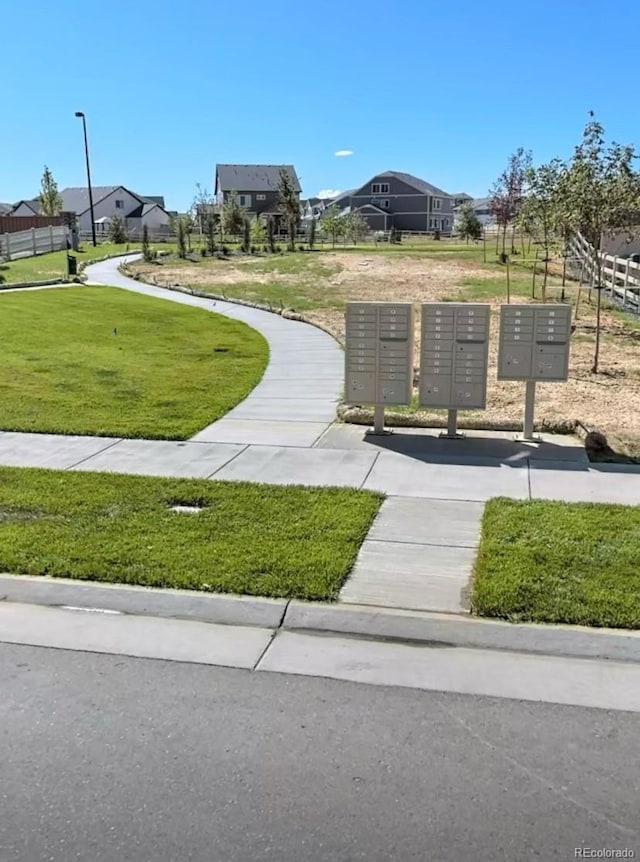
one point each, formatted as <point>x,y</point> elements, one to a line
<point>439,89</point>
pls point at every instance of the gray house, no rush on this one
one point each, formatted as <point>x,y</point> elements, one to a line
<point>482,208</point>
<point>255,186</point>
<point>404,202</point>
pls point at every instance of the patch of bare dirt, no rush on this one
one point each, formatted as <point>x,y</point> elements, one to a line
<point>609,400</point>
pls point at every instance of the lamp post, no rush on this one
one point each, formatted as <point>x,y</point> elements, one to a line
<point>86,152</point>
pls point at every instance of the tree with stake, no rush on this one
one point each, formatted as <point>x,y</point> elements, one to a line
<point>356,226</point>
<point>211,234</point>
<point>600,193</point>
<point>289,202</point>
<point>508,192</point>
<point>146,250</point>
<point>257,232</point>
<point>332,224</point>
<point>202,208</point>
<point>117,232</point>
<point>232,215</point>
<point>312,234</point>
<point>182,238</point>
<point>50,198</point>
<point>246,236</point>
<point>540,209</point>
<point>271,240</point>
<point>467,224</point>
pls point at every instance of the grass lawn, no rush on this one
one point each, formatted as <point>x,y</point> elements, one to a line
<point>554,562</point>
<point>258,539</point>
<point>46,267</point>
<point>168,371</point>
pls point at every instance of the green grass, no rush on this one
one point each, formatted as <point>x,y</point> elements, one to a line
<point>262,540</point>
<point>169,371</point>
<point>552,562</point>
<point>297,296</point>
<point>50,266</point>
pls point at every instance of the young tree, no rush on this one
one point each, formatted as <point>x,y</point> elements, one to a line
<point>117,231</point>
<point>146,250</point>
<point>289,202</point>
<point>508,191</point>
<point>600,193</point>
<point>211,235</point>
<point>233,215</point>
<point>539,214</point>
<point>311,236</point>
<point>50,198</point>
<point>467,224</point>
<point>182,238</point>
<point>356,226</point>
<point>246,236</point>
<point>257,232</point>
<point>271,229</point>
<point>332,224</point>
<point>202,208</point>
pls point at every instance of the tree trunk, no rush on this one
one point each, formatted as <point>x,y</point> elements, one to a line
<point>579,290</point>
<point>522,244</point>
<point>508,282</point>
<point>484,244</point>
<point>533,283</point>
<point>596,353</point>
<point>544,280</point>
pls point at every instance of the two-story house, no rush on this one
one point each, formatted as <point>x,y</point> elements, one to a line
<point>108,201</point>
<point>255,187</point>
<point>404,202</point>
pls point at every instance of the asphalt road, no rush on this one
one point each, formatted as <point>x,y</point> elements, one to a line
<point>110,759</point>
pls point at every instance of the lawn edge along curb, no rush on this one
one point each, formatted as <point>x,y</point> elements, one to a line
<point>417,627</point>
<point>145,601</point>
<point>464,631</point>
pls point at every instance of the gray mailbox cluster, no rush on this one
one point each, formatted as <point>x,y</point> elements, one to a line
<point>534,342</point>
<point>454,354</point>
<point>379,352</point>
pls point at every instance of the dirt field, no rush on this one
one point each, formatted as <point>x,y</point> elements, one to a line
<point>320,284</point>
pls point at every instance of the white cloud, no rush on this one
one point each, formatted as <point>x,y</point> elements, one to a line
<point>343,153</point>
<point>328,193</point>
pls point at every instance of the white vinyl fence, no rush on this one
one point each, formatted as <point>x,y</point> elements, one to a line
<point>34,241</point>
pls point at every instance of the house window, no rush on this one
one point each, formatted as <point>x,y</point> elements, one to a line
<point>385,204</point>
<point>379,188</point>
<point>437,203</point>
<point>261,197</point>
<point>119,205</point>
<point>244,200</point>
<point>445,223</point>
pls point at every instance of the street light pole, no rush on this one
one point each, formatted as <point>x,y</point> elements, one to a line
<point>86,152</point>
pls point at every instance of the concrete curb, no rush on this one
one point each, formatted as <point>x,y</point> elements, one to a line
<point>51,281</point>
<point>464,631</point>
<point>184,604</point>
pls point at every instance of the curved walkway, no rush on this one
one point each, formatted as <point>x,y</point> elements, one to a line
<point>295,401</point>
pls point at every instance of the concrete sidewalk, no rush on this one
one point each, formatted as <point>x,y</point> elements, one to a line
<point>420,551</point>
<point>296,399</point>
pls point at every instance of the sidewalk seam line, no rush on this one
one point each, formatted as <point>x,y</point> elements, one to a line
<point>364,481</point>
<point>229,461</point>
<point>93,454</point>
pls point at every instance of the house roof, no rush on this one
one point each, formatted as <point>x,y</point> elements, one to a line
<point>415,182</point>
<point>372,207</point>
<point>253,178</point>
<point>5,208</point>
<point>154,199</point>
<point>34,203</point>
<point>75,199</point>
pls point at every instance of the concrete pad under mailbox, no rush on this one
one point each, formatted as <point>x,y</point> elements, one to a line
<point>53,451</point>
<point>411,576</point>
<point>290,466</point>
<point>405,476</point>
<point>163,458</point>
<point>451,523</point>
<point>289,409</point>
<point>261,433</point>
<point>598,484</point>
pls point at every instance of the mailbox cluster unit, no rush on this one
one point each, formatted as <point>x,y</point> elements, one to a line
<point>379,352</point>
<point>533,346</point>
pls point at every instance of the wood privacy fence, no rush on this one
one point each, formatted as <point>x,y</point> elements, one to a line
<point>37,240</point>
<point>620,275</point>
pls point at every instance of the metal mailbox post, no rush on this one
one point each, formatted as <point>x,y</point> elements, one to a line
<point>454,353</point>
<point>534,345</point>
<point>379,355</point>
